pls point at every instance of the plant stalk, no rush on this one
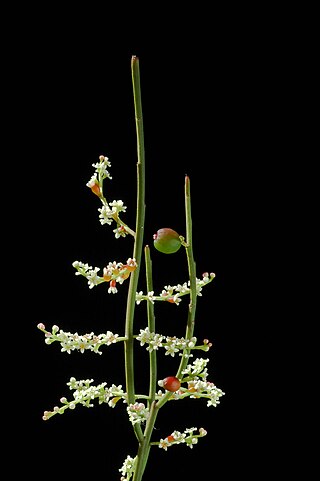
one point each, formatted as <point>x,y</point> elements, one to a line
<point>144,447</point>
<point>193,288</point>
<point>138,243</point>
<point>152,328</point>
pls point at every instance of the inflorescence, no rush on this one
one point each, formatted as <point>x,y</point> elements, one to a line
<point>195,378</point>
<point>193,382</point>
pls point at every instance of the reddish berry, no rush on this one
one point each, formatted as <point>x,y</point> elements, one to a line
<point>167,240</point>
<point>171,383</point>
<point>170,438</point>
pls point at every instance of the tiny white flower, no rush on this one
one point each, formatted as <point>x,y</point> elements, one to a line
<point>151,296</point>
<point>105,215</point>
<point>202,432</point>
<point>92,181</point>
<point>164,443</point>
<point>139,297</point>
<point>93,278</point>
<point>112,290</point>
<point>118,206</point>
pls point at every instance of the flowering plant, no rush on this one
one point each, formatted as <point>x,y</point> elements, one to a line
<point>191,378</point>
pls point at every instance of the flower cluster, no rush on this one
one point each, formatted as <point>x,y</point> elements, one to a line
<point>197,368</point>
<point>188,437</point>
<point>138,413</point>
<point>205,389</point>
<point>173,294</point>
<point>197,384</point>
<point>108,214</point>
<point>109,211</point>
<point>84,393</point>
<point>101,173</point>
<point>76,342</point>
<point>114,272</point>
<point>172,345</point>
<point>128,467</point>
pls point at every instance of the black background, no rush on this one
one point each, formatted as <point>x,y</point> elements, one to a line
<point>205,109</point>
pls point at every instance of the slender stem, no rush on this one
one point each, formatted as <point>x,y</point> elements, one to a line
<point>137,250</point>
<point>193,289</point>
<point>127,228</point>
<point>144,448</point>
<point>192,275</point>
<point>152,328</point>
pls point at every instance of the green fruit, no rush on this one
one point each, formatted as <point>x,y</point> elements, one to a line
<point>167,240</point>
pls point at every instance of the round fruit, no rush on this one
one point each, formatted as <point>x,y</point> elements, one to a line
<point>167,240</point>
<point>171,383</point>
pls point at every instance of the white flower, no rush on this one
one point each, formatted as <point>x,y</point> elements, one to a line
<point>101,167</point>
<point>92,181</point>
<point>155,342</point>
<point>120,232</point>
<point>128,468</point>
<point>73,341</point>
<point>144,336</point>
<point>197,367</point>
<point>93,278</point>
<point>171,349</point>
<point>138,413</point>
<point>139,297</point>
<point>176,299</point>
<point>215,394</point>
<point>112,290</point>
<point>151,296</point>
<point>105,215</point>
<point>178,437</point>
<point>164,443</point>
<point>190,430</point>
<point>182,288</point>
<point>81,267</point>
<point>111,338</point>
<point>132,262</point>
<point>117,206</point>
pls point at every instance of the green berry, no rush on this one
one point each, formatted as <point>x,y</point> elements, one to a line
<point>167,240</point>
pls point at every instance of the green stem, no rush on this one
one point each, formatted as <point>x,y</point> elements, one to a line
<point>144,447</point>
<point>127,228</point>
<point>193,288</point>
<point>137,250</point>
<point>152,328</point>
<point>192,276</point>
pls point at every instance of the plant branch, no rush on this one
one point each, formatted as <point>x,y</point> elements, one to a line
<point>193,290</point>
<point>144,447</point>
<point>137,251</point>
<point>152,328</point>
